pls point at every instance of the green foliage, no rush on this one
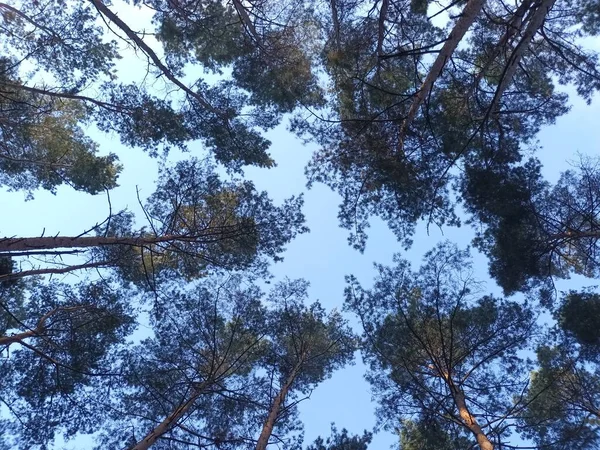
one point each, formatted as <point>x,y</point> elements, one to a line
<point>428,434</point>
<point>579,315</point>
<point>430,339</point>
<point>534,231</point>
<point>198,221</point>
<point>397,140</point>
<point>341,440</point>
<point>217,347</point>
<point>206,342</point>
<point>48,372</point>
<point>304,335</point>
<point>562,403</point>
<point>502,200</point>
<point>43,144</point>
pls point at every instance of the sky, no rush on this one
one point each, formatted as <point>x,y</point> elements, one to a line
<point>322,256</point>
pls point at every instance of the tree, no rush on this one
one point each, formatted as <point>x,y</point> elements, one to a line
<point>340,440</point>
<point>267,45</point>
<point>73,47</point>
<point>533,231</point>
<point>195,221</point>
<point>442,354</point>
<point>305,347</point>
<point>578,317</point>
<point>188,376</point>
<point>43,144</point>
<point>562,401</point>
<point>219,369</point>
<point>414,113</point>
<point>56,340</point>
<point>430,434</point>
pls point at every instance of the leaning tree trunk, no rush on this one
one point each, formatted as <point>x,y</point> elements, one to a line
<point>467,418</point>
<point>267,430</point>
<point>467,17</point>
<point>53,270</point>
<point>40,328</point>
<point>536,22</point>
<point>170,421</point>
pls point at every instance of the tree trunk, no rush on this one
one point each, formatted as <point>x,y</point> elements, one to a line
<point>514,26</point>
<point>381,26</point>
<point>8,340</point>
<point>47,243</point>
<point>246,21</point>
<point>468,419</point>
<point>40,327</point>
<point>169,421</point>
<point>468,16</point>
<point>536,22</point>
<point>267,430</point>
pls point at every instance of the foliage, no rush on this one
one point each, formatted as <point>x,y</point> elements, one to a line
<point>579,315</point>
<point>198,221</point>
<point>439,352</point>
<point>217,350</point>
<point>341,440</point>
<point>43,144</point>
<point>57,340</point>
<point>532,230</point>
<point>423,114</point>
<point>562,403</point>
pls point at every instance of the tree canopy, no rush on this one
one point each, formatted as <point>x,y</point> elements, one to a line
<point>168,328</point>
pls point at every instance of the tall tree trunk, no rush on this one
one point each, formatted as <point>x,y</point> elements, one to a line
<point>467,418</point>
<point>170,421</point>
<point>536,22</point>
<point>513,27</point>
<point>47,243</point>
<point>267,430</point>
<point>246,21</point>
<point>336,24</point>
<point>467,17</point>
<point>381,26</point>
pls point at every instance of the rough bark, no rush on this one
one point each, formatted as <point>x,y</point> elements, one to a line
<point>468,16</point>
<point>267,430</point>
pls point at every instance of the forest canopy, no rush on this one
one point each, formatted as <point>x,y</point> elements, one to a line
<point>167,324</point>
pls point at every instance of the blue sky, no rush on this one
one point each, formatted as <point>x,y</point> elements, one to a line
<point>323,256</point>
